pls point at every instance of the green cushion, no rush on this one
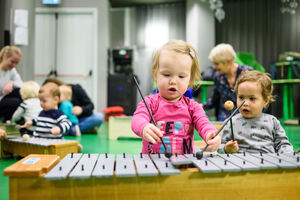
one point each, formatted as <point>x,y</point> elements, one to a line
<point>248,59</point>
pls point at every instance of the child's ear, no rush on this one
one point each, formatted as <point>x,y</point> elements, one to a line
<point>56,98</point>
<point>266,103</point>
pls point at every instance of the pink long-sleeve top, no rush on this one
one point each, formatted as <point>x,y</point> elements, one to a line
<point>176,119</point>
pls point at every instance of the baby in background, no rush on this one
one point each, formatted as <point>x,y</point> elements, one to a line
<point>254,131</point>
<point>51,120</point>
<point>30,107</point>
<point>66,107</point>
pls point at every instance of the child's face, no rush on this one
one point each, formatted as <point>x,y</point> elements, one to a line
<point>251,92</point>
<point>65,92</point>
<point>48,102</point>
<point>173,75</point>
<point>63,97</point>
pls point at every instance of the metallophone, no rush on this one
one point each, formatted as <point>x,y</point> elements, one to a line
<point>50,144</point>
<point>33,145</point>
<point>126,176</point>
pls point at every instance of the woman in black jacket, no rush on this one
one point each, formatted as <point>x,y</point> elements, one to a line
<point>83,108</point>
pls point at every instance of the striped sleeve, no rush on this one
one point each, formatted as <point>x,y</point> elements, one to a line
<point>49,119</point>
<point>64,124</point>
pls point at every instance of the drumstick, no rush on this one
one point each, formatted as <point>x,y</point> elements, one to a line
<point>18,126</point>
<point>228,105</point>
<point>168,154</point>
<point>199,154</point>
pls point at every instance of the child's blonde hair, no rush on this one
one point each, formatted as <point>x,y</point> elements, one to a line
<point>65,92</point>
<point>261,78</point>
<point>8,51</point>
<point>50,88</point>
<point>181,47</point>
<point>29,89</point>
<point>222,53</point>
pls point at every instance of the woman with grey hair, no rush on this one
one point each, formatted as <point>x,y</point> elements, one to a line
<point>227,71</point>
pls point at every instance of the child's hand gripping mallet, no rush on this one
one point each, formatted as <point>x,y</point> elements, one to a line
<point>199,154</point>
<point>25,136</point>
<point>168,154</point>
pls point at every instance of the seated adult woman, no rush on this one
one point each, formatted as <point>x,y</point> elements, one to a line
<point>227,71</point>
<point>83,108</point>
<point>10,81</point>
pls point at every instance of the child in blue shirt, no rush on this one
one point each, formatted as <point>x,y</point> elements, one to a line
<point>66,106</point>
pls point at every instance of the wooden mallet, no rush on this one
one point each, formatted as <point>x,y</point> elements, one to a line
<point>228,105</point>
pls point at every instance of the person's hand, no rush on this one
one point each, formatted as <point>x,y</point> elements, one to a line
<point>55,130</point>
<point>7,89</point>
<point>77,110</point>
<point>3,134</point>
<point>231,147</point>
<point>27,124</point>
<point>152,134</point>
<point>213,142</point>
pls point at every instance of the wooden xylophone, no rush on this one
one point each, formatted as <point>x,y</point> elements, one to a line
<point>125,176</point>
<point>10,129</point>
<point>17,145</point>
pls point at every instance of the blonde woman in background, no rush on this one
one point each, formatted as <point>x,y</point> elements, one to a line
<point>10,81</point>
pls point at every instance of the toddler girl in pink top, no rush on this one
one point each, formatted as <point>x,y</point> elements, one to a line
<point>175,68</point>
